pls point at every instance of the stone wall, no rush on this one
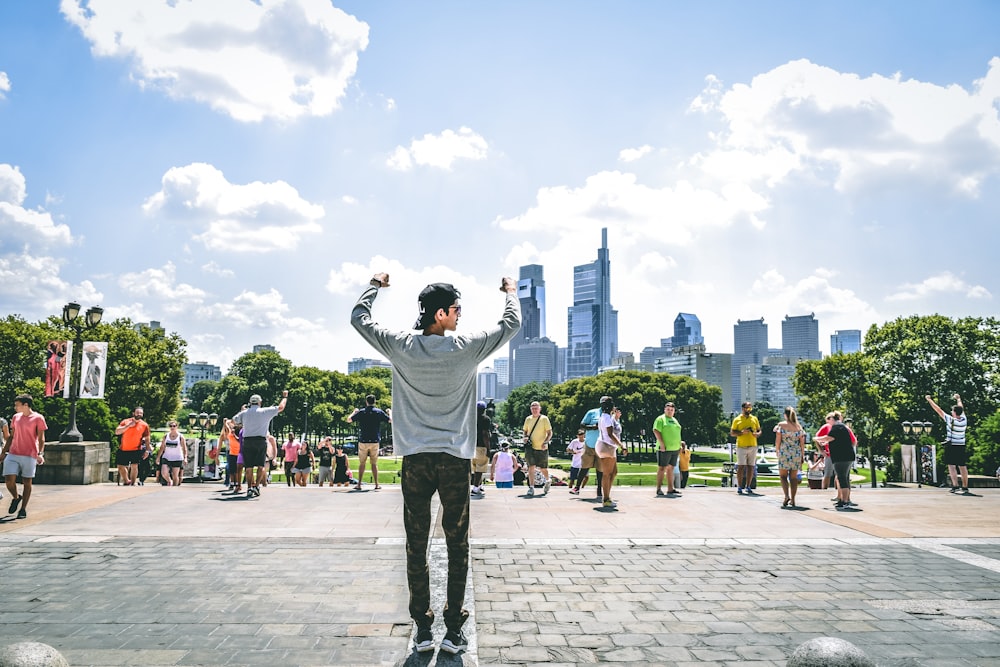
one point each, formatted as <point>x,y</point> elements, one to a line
<point>74,463</point>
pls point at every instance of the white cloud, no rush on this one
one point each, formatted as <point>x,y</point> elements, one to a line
<point>257,217</point>
<point>4,84</point>
<point>870,130</point>
<point>942,283</point>
<point>633,154</point>
<point>214,269</point>
<point>349,200</point>
<point>160,284</point>
<point>673,215</point>
<point>440,150</point>
<point>32,284</point>
<point>34,227</point>
<point>277,59</point>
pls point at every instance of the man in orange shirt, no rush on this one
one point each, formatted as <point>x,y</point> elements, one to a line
<point>134,446</point>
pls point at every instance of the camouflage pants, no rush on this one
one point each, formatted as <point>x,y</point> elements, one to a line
<point>422,475</point>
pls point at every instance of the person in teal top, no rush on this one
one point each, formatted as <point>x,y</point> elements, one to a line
<point>668,439</point>
<point>589,458</point>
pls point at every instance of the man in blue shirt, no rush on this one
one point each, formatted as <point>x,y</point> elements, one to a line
<point>370,419</point>
<point>589,458</point>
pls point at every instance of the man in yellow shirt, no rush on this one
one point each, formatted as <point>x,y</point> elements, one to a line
<point>537,434</point>
<point>746,430</point>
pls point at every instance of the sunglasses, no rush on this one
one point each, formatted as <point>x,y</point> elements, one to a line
<point>458,309</point>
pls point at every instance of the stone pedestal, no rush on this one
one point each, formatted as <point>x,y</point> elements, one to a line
<point>74,463</point>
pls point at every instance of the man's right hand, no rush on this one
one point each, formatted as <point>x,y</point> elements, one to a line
<point>508,285</point>
<point>381,278</point>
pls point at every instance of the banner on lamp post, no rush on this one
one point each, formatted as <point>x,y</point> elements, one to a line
<point>93,369</point>
<point>56,356</point>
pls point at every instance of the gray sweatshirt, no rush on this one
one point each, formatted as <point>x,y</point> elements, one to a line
<point>434,379</point>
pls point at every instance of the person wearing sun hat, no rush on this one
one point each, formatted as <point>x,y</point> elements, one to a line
<point>434,430</point>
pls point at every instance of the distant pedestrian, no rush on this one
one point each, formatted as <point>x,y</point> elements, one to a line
<point>789,446</point>
<point>537,435</point>
<point>326,454</point>
<point>134,446</point>
<point>23,451</point>
<point>820,438</point>
<point>607,446</point>
<point>481,460</point>
<point>841,442</point>
<point>434,389</point>
<point>667,430</point>
<point>576,448</point>
<point>303,464</point>
<point>256,423</point>
<point>589,459</point>
<point>684,463</point>
<point>370,418</point>
<point>171,455</point>
<point>955,455</point>
<point>503,467</point>
<point>234,469</point>
<point>341,467</point>
<point>291,451</point>
<point>746,430</point>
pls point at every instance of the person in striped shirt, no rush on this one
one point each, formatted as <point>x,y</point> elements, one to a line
<point>955,455</point>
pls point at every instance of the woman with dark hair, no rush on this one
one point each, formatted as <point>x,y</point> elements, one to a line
<point>607,446</point>
<point>789,445</point>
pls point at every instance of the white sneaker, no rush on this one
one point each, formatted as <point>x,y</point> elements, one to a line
<point>545,489</point>
<point>531,490</point>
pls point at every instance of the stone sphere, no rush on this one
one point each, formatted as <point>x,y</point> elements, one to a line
<point>31,654</point>
<point>827,652</point>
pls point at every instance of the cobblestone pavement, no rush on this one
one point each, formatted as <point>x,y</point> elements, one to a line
<point>191,576</point>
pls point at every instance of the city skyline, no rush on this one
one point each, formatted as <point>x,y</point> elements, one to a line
<point>748,162</point>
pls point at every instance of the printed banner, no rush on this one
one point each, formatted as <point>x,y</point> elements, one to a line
<point>69,369</point>
<point>57,356</point>
<point>95,363</point>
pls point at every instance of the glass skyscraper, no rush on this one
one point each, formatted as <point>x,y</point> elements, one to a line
<point>592,322</point>
<point>687,331</point>
<point>749,347</point>
<point>531,294</point>
<point>846,341</point>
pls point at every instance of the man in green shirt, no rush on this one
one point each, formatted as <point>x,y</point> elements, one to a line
<point>668,438</point>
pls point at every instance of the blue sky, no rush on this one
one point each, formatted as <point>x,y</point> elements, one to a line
<point>237,170</point>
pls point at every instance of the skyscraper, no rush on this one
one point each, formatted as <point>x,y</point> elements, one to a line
<point>687,331</point>
<point>846,341</point>
<point>592,322</point>
<point>749,347</point>
<point>535,361</point>
<point>531,294</point>
<point>800,337</point>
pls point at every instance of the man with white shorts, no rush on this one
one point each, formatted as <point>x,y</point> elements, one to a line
<point>22,452</point>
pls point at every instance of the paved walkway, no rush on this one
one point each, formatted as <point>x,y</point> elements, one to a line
<point>192,576</point>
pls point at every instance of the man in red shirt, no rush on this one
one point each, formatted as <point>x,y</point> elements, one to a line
<point>134,446</point>
<point>23,452</point>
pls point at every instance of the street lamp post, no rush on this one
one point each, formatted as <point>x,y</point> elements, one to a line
<point>917,429</point>
<point>305,420</point>
<point>70,316</point>
<point>202,421</point>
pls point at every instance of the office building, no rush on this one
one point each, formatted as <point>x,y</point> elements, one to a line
<point>264,348</point>
<point>592,322</point>
<point>650,354</point>
<point>625,361</point>
<point>531,294</point>
<point>198,371</point>
<point>749,347</point>
<point>770,381</point>
<point>360,364</point>
<point>535,361</point>
<point>846,341</point>
<point>486,384</point>
<point>710,367</point>
<point>153,325</point>
<point>800,337</point>
<point>500,366</point>
<point>687,331</point>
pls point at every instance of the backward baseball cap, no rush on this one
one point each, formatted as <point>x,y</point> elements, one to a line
<point>432,297</point>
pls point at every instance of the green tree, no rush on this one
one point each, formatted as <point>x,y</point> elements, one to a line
<point>199,393</point>
<point>145,367</point>
<point>984,442</point>
<point>22,358</point>
<point>517,406</point>
<point>383,375</point>
<point>768,416</point>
